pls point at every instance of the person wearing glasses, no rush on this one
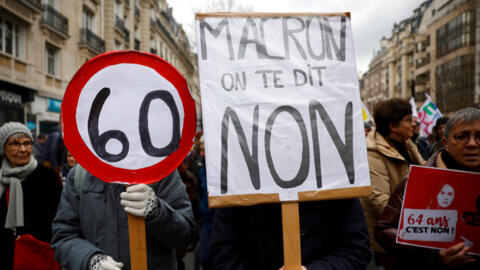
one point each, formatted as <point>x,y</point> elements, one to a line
<point>29,192</point>
<point>461,141</point>
<point>390,151</point>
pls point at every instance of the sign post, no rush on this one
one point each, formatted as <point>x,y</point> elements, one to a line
<point>291,236</point>
<point>138,244</point>
<point>281,112</point>
<point>128,117</point>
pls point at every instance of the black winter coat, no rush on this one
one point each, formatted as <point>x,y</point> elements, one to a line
<point>333,236</point>
<point>41,194</point>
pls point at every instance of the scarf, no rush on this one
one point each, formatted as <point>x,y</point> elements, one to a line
<point>402,150</point>
<point>451,163</point>
<point>14,177</point>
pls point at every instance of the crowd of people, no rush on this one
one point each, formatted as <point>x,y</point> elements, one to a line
<point>391,148</point>
<point>84,219</point>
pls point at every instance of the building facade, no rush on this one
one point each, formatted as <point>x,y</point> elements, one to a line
<point>43,43</point>
<point>434,52</point>
<point>445,55</point>
<point>392,67</point>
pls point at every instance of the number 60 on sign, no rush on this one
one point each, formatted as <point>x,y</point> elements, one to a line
<point>128,117</point>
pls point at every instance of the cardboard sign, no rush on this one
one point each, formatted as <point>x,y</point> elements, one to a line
<point>281,108</point>
<point>441,208</point>
<point>128,117</point>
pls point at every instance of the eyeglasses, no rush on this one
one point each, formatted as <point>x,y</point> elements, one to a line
<point>464,137</point>
<point>16,145</point>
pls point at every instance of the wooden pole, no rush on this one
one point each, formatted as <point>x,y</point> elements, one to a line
<point>291,236</point>
<point>138,242</point>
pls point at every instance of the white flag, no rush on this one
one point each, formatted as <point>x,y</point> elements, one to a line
<point>414,108</point>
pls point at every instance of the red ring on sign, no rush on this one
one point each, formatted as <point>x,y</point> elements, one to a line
<point>84,155</point>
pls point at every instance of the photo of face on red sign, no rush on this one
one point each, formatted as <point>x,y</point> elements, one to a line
<point>445,196</point>
<point>441,208</point>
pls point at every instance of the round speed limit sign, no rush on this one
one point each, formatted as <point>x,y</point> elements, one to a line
<point>128,117</point>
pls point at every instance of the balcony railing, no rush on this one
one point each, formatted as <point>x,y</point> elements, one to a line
<point>34,4</point>
<point>55,19</point>
<point>92,40</point>
<point>119,23</point>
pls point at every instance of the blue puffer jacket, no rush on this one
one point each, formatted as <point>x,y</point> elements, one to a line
<point>95,222</point>
<point>333,235</point>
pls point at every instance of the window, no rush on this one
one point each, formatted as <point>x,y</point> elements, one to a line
<point>454,81</point>
<point>51,59</point>
<point>118,46</point>
<point>8,37</point>
<point>1,34</point>
<point>16,40</point>
<point>152,43</point>
<point>457,33</point>
<point>87,19</point>
<point>118,9</point>
<point>136,33</point>
<point>12,40</point>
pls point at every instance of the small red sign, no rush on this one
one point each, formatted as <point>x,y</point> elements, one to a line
<point>441,208</point>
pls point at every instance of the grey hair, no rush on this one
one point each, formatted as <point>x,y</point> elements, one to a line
<point>18,135</point>
<point>467,115</point>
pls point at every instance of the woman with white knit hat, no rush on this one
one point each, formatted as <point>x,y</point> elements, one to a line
<point>29,192</point>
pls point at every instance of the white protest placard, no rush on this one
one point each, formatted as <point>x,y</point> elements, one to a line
<point>282,115</point>
<point>429,225</point>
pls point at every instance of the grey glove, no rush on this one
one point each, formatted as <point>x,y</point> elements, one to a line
<point>103,262</point>
<point>140,200</point>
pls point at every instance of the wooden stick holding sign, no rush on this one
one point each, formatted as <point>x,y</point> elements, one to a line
<point>291,236</point>
<point>138,242</point>
<point>121,146</point>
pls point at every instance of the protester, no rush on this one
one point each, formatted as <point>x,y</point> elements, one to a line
<point>190,182</point>
<point>40,148</point>
<point>90,230</point>
<point>29,192</point>
<point>194,160</point>
<point>206,213</point>
<point>333,236</point>
<point>368,127</point>
<point>69,163</point>
<point>438,130</point>
<point>421,142</point>
<point>56,149</point>
<point>390,152</point>
<point>461,140</point>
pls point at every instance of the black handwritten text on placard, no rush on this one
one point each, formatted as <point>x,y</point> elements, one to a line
<point>345,149</point>
<point>293,29</point>
<point>99,141</point>
<point>311,76</point>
